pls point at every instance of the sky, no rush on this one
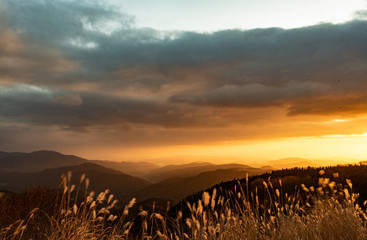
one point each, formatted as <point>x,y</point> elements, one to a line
<point>168,79</point>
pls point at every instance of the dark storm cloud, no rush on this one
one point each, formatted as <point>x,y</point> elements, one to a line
<point>253,95</point>
<point>294,68</point>
<point>26,104</point>
<point>60,44</point>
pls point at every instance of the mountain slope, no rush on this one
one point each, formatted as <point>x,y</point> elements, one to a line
<point>291,181</point>
<point>138,169</point>
<point>302,162</point>
<point>41,160</point>
<point>189,170</point>
<point>36,161</point>
<point>101,178</point>
<point>179,187</point>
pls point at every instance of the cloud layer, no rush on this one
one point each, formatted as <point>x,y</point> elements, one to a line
<point>80,64</point>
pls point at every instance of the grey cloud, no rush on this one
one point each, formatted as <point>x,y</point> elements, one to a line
<point>34,105</point>
<point>44,43</point>
<point>69,99</point>
<point>254,95</point>
<point>297,97</point>
<point>343,105</point>
<point>238,57</point>
<point>221,58</point>
<point>55,22</point>
<point>294,68</point>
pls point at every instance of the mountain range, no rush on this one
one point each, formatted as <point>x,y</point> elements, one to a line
<point>142,180</point>
<point>191,169</point>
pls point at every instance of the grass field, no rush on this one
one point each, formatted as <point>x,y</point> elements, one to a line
<point>329,211</point>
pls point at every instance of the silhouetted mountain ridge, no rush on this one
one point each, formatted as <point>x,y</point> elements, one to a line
<point>101,178</point>
<point>132,168</point>
<point>176,188</point>
<point>36,161</point>
<point>44,159</point>
<point>293,162</point>
<point>190,170</point>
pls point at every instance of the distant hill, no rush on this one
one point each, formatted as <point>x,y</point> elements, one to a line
<point>36,161</point>
<point>41,160</point>
<point>189,170</point>
<point>293,162</point>
<point>302,162</point>
<point>100,177</point>
<point>3,154</point>
<point>177,170</point>
<point>138,169</point>
<point>177,188</point>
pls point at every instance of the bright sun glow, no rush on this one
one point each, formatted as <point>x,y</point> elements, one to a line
<point>353,146</point>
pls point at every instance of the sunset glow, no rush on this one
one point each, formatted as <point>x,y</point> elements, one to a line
<point>242,81</point>
<point>324,147</point>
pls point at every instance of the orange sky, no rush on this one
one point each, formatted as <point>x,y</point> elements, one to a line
<point>135,93</point>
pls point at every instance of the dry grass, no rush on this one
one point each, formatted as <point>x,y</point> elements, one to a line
<point>327,212</point>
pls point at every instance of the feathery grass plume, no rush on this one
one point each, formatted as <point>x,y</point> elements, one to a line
<point>130,205</point>
<point>206,198</point>
<point>86,183</point>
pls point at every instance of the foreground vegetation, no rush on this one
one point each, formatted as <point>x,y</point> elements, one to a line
<point>327,211</point>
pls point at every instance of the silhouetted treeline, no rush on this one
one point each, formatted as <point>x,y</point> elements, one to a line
<point>286,181</point>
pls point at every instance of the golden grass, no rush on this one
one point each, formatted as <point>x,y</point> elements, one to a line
<point>329,211</point>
